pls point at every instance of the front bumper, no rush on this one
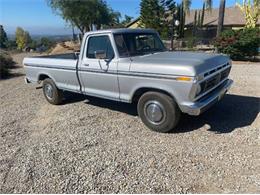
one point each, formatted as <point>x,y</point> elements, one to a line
<point>203,104</point>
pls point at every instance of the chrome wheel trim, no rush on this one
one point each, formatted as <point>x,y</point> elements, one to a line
<point>154,112</point>
<point>48,90</point>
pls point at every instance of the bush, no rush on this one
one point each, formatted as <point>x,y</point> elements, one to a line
<point>6,62</point>
<point>191,42</point>
<point>10,45</point>
<point>239,44</point>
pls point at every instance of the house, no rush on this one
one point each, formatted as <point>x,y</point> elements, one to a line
<point>134,24</point>
<point>234,19</point>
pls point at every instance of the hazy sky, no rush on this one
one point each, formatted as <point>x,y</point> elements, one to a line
<point>37,18</point>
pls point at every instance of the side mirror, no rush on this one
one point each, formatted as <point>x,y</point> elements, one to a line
<point>100,54</point>
<point>77,54</point>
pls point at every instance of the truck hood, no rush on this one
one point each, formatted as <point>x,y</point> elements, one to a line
<point>177,63</point>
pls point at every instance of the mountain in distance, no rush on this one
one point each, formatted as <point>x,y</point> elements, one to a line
<point>51,37</point>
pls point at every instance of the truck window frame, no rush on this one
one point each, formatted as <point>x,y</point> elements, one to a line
<point>94,36</point>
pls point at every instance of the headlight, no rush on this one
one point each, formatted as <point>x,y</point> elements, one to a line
<point>198,90</point>
<point>198,78</point>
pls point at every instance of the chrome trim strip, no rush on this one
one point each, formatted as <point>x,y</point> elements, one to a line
<point>51,67</point>
<point>119,73</point>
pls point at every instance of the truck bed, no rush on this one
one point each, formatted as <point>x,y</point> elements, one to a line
<point>61,68</point>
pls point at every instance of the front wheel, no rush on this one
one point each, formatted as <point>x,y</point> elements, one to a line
<point>52,94</point>
<point>158,111</point>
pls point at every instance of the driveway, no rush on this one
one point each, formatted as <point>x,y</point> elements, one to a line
<point>90,145</point>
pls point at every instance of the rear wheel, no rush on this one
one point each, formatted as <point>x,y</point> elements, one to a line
<point>52,94</point>
<point>158,111</point>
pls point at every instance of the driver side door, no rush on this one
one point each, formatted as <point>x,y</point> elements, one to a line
<point>99,76</point>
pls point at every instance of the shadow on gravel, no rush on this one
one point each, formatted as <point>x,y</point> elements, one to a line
<point>12,75</point>
<point>232,112</point>
<point>130,109</point>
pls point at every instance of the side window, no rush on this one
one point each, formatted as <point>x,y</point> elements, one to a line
<point>100,43</point>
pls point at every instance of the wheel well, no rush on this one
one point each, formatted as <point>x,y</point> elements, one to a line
<point>138,93</point>
<point>43,77</point>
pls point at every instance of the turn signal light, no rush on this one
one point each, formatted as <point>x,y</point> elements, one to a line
<point>184,79</point>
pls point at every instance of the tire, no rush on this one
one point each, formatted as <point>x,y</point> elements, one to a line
<point>52,94</point>
<point>158,111</point>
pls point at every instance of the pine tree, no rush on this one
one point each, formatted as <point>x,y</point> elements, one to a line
<point>3,37</point>
<point>151,14</point>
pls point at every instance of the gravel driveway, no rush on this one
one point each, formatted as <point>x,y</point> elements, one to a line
<point>90,145</point>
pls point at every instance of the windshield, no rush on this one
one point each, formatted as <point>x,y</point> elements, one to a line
<point>135,44</point>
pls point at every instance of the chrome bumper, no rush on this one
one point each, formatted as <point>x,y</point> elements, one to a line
<point>200,106</point>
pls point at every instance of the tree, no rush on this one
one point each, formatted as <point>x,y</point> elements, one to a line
<point>195,23</point>
<point>187,5</point>
<point>3,37</point>
<point>84,14</point>
<point>114,18</point>
<point>202,15</point>
<point>221,17</point>
<point>170,12</point>
<point>151,14</point>
<point>199,19</point>
<point>182,17</point>
<point>127,19</point>
<point>251,10</point>
<point>22,38</point>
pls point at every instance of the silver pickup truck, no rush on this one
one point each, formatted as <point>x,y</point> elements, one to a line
<point>132,65</point>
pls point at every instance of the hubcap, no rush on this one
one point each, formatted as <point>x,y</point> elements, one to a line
<point>48,91</point>
<point>154,112</point>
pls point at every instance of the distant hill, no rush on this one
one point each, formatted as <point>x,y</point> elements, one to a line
<point>51,37</point>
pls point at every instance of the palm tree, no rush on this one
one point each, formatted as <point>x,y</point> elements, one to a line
<point>221,17</point>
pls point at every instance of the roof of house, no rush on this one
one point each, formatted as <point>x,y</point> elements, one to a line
<point>132,22</point>
<point>233,17</point>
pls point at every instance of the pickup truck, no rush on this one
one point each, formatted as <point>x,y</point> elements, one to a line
<point>133,65</point>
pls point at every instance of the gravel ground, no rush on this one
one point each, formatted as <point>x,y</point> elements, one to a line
<point>89,145</point>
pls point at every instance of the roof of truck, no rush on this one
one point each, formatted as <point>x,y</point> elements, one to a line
<point>123,30</point>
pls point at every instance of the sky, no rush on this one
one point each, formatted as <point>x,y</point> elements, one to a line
<point>36,17</point>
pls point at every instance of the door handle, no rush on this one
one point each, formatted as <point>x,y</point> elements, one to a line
<point>86,64</point>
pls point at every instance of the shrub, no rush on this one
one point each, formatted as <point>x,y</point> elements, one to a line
<point>239,44</point>
<point>6,62</point>
<point>191,42</point>
<point>10,45</point>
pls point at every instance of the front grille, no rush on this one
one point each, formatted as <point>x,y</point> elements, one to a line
<point>216,69</point>
<point>213,81</point>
